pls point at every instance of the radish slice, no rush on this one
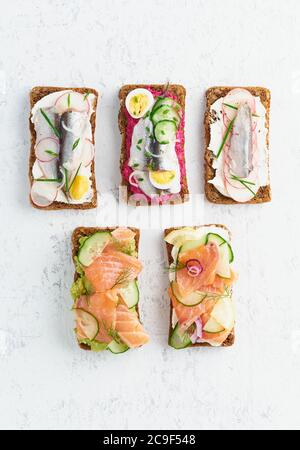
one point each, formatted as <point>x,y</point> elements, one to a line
<point>235,98</point>
<point>237,191</point>
<point>72,101</point>
<point>43,194</point>
<point>47,149</point>
<point>88,152</point>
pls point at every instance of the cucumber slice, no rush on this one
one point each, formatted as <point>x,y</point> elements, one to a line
<point>226,254</point>
<point>223,313</point>
<point>165,112</point>
<point>95,346</point>
<point>179,339</point>
<point>195,298</point>
<point>212,326</point>
<point>116,347</point>
<point>130,294</point>
<point>165,131</point>
<point>166,101</point>
<point>213,237</point>
<point>87,323</point>
<point>93,247</point>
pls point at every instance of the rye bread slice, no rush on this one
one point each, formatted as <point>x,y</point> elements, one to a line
<point>231,338</point>
<point>180,93</point>
<point>36,94</point>
<point>88,231</point>
<point>212,194</point>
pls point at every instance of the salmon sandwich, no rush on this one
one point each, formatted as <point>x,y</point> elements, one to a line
<point>105,289</point>
<point>201,277</point>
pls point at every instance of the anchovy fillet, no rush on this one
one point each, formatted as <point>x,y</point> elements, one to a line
<point>72,129</point>
<point>241,144</point>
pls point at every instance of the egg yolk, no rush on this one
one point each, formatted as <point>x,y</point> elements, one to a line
<point>163,176</point>
<point>79,187</point>
<point>138,104</point>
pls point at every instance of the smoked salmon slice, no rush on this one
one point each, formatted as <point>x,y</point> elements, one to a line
<point>187,315</point>
<point>129,328</point>
<point>219,284</point>
<point>112,269</point>
<point>103,306</point>
<point>208,257</point>
<point>123,234</point>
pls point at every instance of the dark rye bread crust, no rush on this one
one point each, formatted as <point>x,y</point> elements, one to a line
<point>212,194</point>
<point>231,338</point>
<point>180,93</point>
<point>36,94</point>
<point>88,231</point>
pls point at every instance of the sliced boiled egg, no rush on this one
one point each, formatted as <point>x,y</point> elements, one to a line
<point>162,179</point>
<point>80,187</point>
<point>139,102</point>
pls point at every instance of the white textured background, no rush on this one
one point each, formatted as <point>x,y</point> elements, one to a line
<point>46,381</point>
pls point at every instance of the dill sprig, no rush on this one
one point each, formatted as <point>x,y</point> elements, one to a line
<point>123,278</point>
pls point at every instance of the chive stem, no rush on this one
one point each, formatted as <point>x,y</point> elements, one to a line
<point>55,130</point>
<point>75,175</point>
<point>236,108</point>
<point>228,131</point>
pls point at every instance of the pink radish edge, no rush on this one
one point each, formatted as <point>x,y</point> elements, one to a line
<point>86,109</point>
<point>50,158</point>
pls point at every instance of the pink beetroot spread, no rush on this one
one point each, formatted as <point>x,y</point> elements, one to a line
<point>179,147</point>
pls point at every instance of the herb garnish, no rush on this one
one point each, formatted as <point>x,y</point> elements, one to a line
<point>124,277</point>
<point>50,152</point>
<point>67,179</point>
<point>148,130</point>
<point>48,180</point>
<point>75,145</point>
<point>236,108</point>
<point>245,183</point>
<point>86,95</point>
<point>69,101</point>
<point>139,147</point>
<point>140,141</point>
<point>228,131</point>
<point>55,130</point>
<point>75,176</point>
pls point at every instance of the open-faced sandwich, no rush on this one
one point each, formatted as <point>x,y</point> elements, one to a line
<point>151,122</point>
<point>237,145</point>
<point>201,278</point>
<point>62,126</point>
<point>105,290</point>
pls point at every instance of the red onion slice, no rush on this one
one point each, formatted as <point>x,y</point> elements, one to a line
<point>194,267</point>
<point>198,331</point>
<point>133,183</point>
